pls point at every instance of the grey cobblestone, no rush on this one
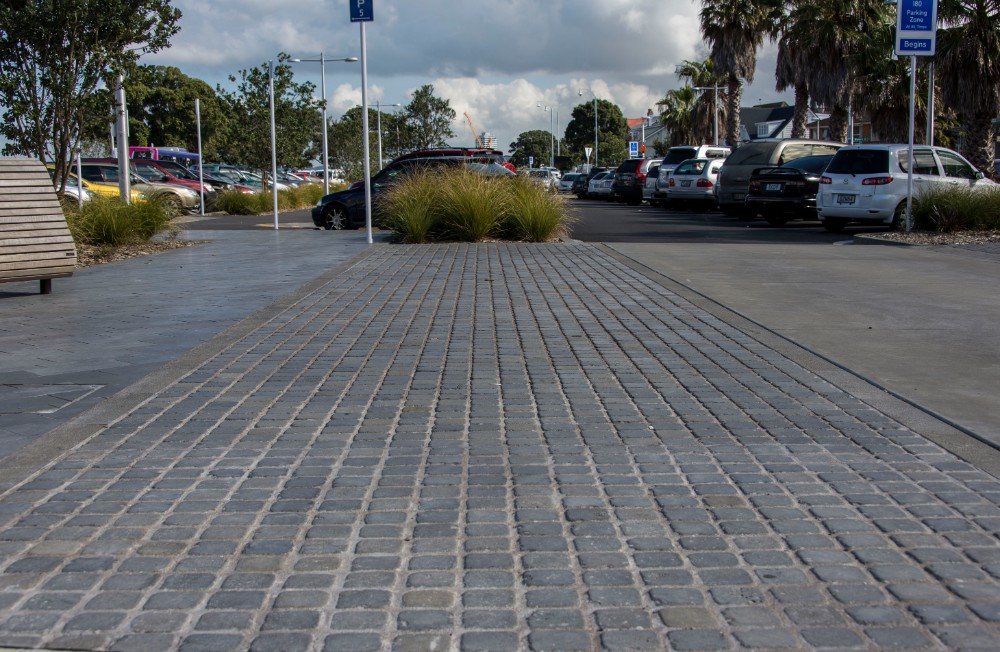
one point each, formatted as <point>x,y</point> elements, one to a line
<point>498,447</point>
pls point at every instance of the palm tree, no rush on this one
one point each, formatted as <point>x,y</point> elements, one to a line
<point>792,71</point>
<point>968,70</point>
<point>822,36</point>
<point>678,114</point>
<point>702,74</point>
<point>734,30</point>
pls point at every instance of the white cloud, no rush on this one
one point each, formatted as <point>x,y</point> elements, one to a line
<point>495,59</point>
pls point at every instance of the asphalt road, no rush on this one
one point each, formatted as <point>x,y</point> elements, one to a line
<point>600,221</point>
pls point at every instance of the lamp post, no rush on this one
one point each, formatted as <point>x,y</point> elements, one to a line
<point>715,102</point>
<point>322,83</point>
<point>274,150</point>
<point>580,94</point>
<point>378,120</point>
<point>552,137</point>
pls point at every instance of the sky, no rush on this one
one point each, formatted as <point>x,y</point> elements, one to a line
<point>496,60</point>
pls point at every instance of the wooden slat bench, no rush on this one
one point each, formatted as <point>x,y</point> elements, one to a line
<point>35,243</point>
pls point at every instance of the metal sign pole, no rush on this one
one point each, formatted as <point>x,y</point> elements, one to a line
<point>909,166</point>
<point>365,138</point>
<point>274,152</point>
<point>201,162</point>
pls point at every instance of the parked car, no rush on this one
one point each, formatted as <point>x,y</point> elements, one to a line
<point>677,155</point>
<point>630,177</point>
<point>867,183</point>
<point>566,183</point>
<point>345,209</point>
<point>600,185</point>
<point>735,175</point>
<point>788,191</point>
<point>543,176</point>
<point>692,183</point>
<point>649,187</point>
<point>158,172</point>
<point>107,174</point>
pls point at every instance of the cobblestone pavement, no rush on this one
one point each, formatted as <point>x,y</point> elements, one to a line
<point>498,447</point>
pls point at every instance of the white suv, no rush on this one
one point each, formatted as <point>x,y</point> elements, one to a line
<point>867,183</point>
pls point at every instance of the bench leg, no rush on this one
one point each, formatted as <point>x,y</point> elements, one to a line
<point>45,286</point>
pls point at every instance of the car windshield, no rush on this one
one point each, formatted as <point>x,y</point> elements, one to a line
<point>859,161</point>
<point>677,155</point>
<point>813,164</point>
<point>177,170</point>
<point>691,167</point>
<point>751,154</point>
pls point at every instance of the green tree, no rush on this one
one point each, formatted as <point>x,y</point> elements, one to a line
<point>346,143</point>
<point>428,119</point>
<point>536,143</point>
<point>702,74</point>
<point>55,54</point>
<point>161,110</point>
<point>678,115</point>
<point>611,127</point>
<point>735,29</point>
<point>825,37</point>
<point>969,47</point>
<point>249,135</point>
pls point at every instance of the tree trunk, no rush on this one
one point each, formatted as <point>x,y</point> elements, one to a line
<point>838,124</point>
<point>733,113</point>
<point>801,111</point>
<point>977,146</point>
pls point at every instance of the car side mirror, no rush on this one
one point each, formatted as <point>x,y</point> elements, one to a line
<point>979,175</point>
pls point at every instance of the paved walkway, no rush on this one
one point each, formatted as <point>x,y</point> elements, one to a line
<point>494,447</point>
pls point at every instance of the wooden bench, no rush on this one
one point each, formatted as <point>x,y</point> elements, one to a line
<point>35,243</point>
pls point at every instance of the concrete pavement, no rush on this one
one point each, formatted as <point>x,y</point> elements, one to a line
<point>495,447</point>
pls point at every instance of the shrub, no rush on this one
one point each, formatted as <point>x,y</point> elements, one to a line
<point>957,209</point>
<point>466,205</point>
<point>534,214</point>
<point>108,221</point>
<point>471,204</point>
<point>238,203</point>
<point>409,208</point>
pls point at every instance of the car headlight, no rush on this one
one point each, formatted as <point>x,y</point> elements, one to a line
<point>187,191</point>
<point>208,187</point>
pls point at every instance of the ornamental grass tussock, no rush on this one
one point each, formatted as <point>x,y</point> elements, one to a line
<point>467,206</point>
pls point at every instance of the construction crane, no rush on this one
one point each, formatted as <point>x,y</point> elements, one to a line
<point>479,141</point>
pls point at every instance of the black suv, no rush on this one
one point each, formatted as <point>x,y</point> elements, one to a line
<point>630,177</point>
<point>345,209</point>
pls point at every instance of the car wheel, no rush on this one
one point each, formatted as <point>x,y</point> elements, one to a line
<point>173,204</point>
<point>833,225</point>
<point>899,218</point>
<point>776,220</point>
<point>335,218</point>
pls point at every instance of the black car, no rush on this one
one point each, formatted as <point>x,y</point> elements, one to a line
<point>630,178</point>
<point>346,209</point>
<point>582,182</point>
<point>783,193</point>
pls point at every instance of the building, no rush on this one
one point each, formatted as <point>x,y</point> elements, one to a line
<point>489,140</point>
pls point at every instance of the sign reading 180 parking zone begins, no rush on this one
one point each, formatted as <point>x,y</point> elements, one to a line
<point>916,27</point>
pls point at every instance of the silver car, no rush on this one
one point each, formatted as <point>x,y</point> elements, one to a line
<point>692,183</point>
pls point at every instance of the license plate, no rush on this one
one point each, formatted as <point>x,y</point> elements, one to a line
<point>774,187</point>
<point>845,199</point>
<point>686,183</point>
<point>739,196</point>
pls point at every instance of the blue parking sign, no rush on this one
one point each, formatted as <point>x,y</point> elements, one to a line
<point>361,11</point>
<point>916,27</point>
<point>633,149</point>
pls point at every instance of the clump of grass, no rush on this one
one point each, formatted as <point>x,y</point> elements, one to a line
<point>108,221</point>
<point>467,205</point>
<point>238,203</point>
<point>410,207</point>
<point>471,204</point>
<point>957,209</point>
<point>534,214</point>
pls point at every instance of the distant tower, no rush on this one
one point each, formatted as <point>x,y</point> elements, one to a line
<point>488,139</point>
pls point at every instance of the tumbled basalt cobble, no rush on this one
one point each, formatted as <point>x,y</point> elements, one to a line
<point>500,446</point>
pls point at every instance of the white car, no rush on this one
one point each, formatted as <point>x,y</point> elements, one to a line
<point>544,177</point>
<point>600,185</point>
<point>566,182</point>
<point>692,183</point>
<point>867,183</point>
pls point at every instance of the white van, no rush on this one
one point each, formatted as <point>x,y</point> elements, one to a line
<point>677,155</point>
<point>867,183</point>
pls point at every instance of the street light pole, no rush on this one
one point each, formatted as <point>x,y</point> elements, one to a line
<point>322,84</point>
<point>580,94</point>
<point>274,151</point>
<point>552,137</point>
<point>378,120</point>
<point>715,101</point>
